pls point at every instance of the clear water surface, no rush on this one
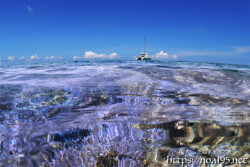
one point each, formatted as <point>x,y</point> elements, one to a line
<point>123,113</point>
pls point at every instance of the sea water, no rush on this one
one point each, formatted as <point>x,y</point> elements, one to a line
<point>124,113</point>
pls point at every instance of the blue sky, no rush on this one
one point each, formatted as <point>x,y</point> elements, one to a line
<point>195,30</point>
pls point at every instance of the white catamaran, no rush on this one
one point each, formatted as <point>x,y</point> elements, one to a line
<point>144,55</point>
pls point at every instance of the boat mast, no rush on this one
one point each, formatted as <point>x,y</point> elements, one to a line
<point>144,44</point>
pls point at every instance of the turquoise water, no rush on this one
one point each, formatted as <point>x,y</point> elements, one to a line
<point>123,113</point>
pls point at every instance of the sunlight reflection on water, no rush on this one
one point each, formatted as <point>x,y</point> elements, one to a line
<point>122,114</point>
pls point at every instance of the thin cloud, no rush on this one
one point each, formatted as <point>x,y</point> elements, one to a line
<point>203,30</point>
<point>113,55</point>
<point>91,54</point>
<point>235,51</point>
<point>76,57</point>
<point>205,53</point>
<point>29,9</point>
<point>11,58</point>
<point>49,57</point>
<point>21,58</point>
<point>174,57</point>
<point>242,49</point>
<point>52,57</point>
<point>34,57</point>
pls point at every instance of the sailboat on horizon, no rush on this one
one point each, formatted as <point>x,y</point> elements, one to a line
<point>144,55</point>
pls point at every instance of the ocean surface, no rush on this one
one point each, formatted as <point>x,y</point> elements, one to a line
<point>124,113</point>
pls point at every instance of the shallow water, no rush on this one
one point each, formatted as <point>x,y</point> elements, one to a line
<point>124,113</point>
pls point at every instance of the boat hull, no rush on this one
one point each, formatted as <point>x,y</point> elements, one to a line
<point>143,58</point>
<point>146,58</point>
